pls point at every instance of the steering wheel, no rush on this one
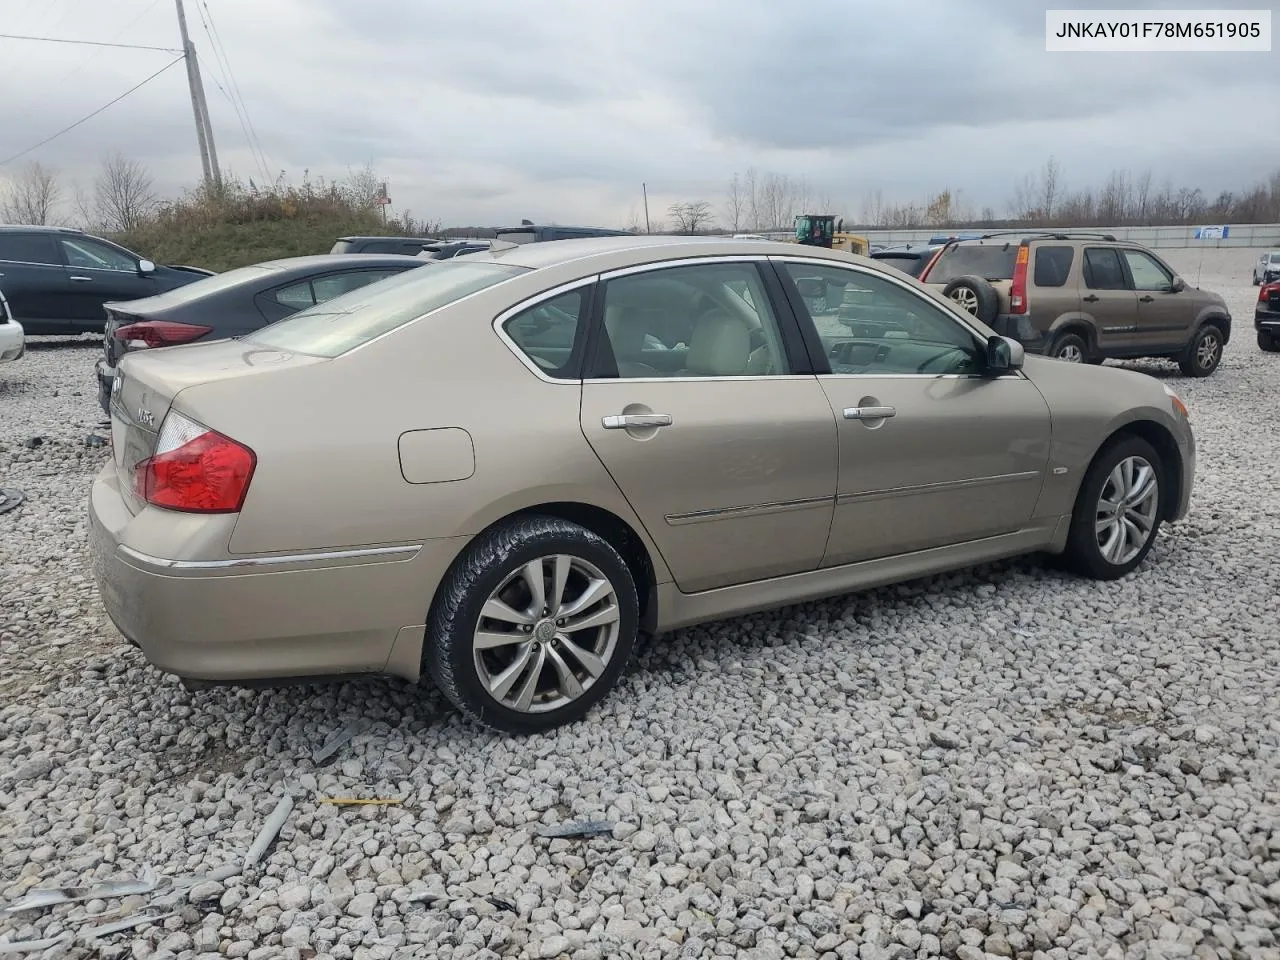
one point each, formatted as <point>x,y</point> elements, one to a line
<point>938,356</point>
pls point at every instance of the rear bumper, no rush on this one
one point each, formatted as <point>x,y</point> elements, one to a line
<point>104,375</point>
<point>1268,320</point>
<point>1019,327</point>
<point>260,618</point>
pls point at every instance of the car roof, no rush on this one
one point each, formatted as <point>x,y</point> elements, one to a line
<point>38,228</point>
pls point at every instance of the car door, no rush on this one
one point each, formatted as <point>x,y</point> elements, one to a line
<point>932,451</point>
<point>33,280</point>
<point>698,404</point>
<point>98,272</point>
<point>1165,316</point>
<point>1108,300</point>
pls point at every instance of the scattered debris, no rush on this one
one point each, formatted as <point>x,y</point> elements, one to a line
<point>501,904</point>
<point>359,802</point>
<point>573,831</point>
<point>10,498</point>
<point>269,831</point>
<point>95,440</point>
<point>39,898</point>
<point>128,923</point>
<point>32,443</point>
<point>331,746</point>
<point>35,946</point>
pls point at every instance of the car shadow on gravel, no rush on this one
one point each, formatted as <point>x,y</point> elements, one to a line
<point>39,344</point>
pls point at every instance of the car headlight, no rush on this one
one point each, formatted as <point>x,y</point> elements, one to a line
<point>1176,401</point>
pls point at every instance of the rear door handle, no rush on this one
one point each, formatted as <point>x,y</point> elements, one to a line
<point>627,421</point>
<point>1091,299</point>
<point>869,413</point>
<point>82,279</point>
<point>1146,299</point>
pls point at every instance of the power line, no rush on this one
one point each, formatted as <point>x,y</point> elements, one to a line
<point>68,129</point>
<point>236,98</point>
<point>88,43</point>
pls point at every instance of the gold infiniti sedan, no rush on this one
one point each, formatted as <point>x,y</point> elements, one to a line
<point>498,471</point>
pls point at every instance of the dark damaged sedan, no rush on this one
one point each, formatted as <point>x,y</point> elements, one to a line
<point>236,303</point>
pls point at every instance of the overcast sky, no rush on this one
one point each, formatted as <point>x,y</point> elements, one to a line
<point>488,112</point>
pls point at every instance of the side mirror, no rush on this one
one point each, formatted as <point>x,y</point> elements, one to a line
<point>811,288</point>
<point>1004,355</point>
<point>146,266</point>
<point>1178,285</point>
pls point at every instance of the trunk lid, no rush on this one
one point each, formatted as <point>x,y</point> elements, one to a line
<point>117,317</point>
<point>149,381</point>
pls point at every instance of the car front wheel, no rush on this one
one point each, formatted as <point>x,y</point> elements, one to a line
<point>1203,353</point>
<point>532,626</point>
<point>1117,512</point>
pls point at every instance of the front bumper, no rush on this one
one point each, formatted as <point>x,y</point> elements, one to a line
<point>1187,448</point>
<point>260,619</point>
<point>13,343</point>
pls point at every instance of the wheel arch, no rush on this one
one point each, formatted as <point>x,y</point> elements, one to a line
<point>1166,446</point>
<point>1071,323</point>
<point>1217,319</point>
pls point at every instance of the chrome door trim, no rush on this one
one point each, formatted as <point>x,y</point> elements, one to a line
<point>629,421</point>
<point>769,377</point>
<point>874,412</point>
<point>529,302</point>
<point>747,510</point>
<point>890,492</point>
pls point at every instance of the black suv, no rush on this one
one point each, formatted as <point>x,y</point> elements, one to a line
<point>56,279</point>
<point>407,246</point>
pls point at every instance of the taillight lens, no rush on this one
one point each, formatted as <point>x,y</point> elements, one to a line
<point>1018,288</point>
<point>161,333</point>
<point>1267,290</point>
<point>194,469</point>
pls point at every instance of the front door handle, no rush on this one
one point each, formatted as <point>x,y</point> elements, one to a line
<point>628,421</point>
<point>82,279</point>
<point>1146,299</point>
<point>1091,298</point>
<point>869,413</point>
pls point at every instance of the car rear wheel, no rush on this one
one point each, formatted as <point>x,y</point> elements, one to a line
<point>532,626</point>
<point>1203,353</point>
<point>974,295</point>
<point>1070,347</point>
<point>1267,342</point>
<point>1117,512</point>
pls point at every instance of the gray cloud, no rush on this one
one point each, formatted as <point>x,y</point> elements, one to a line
<point>486,113</point>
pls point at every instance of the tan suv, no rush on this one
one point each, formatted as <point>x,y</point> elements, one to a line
<point>1083,297</point>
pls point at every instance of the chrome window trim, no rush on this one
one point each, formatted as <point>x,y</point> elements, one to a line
<point>769,378</point>
<point>35,263</point>
<point>377,554</point>
<point>656,265</point>
<point>501,320</point>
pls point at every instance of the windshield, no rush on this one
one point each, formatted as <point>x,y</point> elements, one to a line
<point>345,322</point>
<point>988,261</point>
<point>1275,258</point>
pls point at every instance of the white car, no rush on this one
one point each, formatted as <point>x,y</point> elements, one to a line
<point>12,341</point>
<point>1267,268</point>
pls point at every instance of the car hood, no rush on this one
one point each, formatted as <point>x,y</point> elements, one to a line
<point>1108,394</point>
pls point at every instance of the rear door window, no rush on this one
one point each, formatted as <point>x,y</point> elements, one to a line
<point>1102,269</point>
<point>28,248</point>
<point>1053,266</point>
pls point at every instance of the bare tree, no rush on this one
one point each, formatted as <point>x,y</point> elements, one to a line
<point>690,217</point>
<point>873,208</point>
<point>1142,197</point>
<point>363,188</point>
<point>31,197</point>
<point>124,196</point>
<point>1050,188</point>
<point>736,204</point>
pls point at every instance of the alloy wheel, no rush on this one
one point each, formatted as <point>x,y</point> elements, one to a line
<point>1127,510</point>
<point>1071,353</point>
<point>1208,349</point>
<point>966,298</point>
<point>546,634</point>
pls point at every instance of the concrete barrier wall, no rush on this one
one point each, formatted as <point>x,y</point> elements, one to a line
<point>1239,235</point>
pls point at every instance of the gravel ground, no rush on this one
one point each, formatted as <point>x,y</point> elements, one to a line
<point>1005,762</point>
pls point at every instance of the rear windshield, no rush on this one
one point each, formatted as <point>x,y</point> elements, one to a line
<point>989,261</point>
<point>184,294</point>
<point>906,262</point>
<point>332,328</point>
<point>518,236</point>
<point>342,246</point>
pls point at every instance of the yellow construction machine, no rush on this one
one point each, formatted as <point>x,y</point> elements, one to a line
<point>823,230</point>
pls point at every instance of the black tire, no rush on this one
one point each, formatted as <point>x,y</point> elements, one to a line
<point>1267,343</point>
<point>1084,554</point>
<point>1203,353</point>
<point>1256,281</point>
<point>977,297</point>
<point>449,650</point>
<point>1068,345</point>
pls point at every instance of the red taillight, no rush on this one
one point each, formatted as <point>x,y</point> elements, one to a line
<point>194,469</point>
<point>161,333</point>
<point>1018,289</point>
<point>1267,290</point>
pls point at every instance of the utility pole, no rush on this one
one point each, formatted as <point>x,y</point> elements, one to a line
<point>199,107</point>
<point>643,186</point>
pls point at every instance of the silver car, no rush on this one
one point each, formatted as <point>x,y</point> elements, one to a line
<point>1267,268</point>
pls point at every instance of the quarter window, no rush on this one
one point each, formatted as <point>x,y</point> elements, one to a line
<point>1053,266</point>
<point>871,325</point>
<point>547,332</point>
<point>706,320</point>
<point>89,255</point>
<point>1102,270</point>
<point>1147,273</point>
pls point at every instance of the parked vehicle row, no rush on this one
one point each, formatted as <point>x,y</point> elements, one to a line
<point>514,462</point>
<point>1266,318</point>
